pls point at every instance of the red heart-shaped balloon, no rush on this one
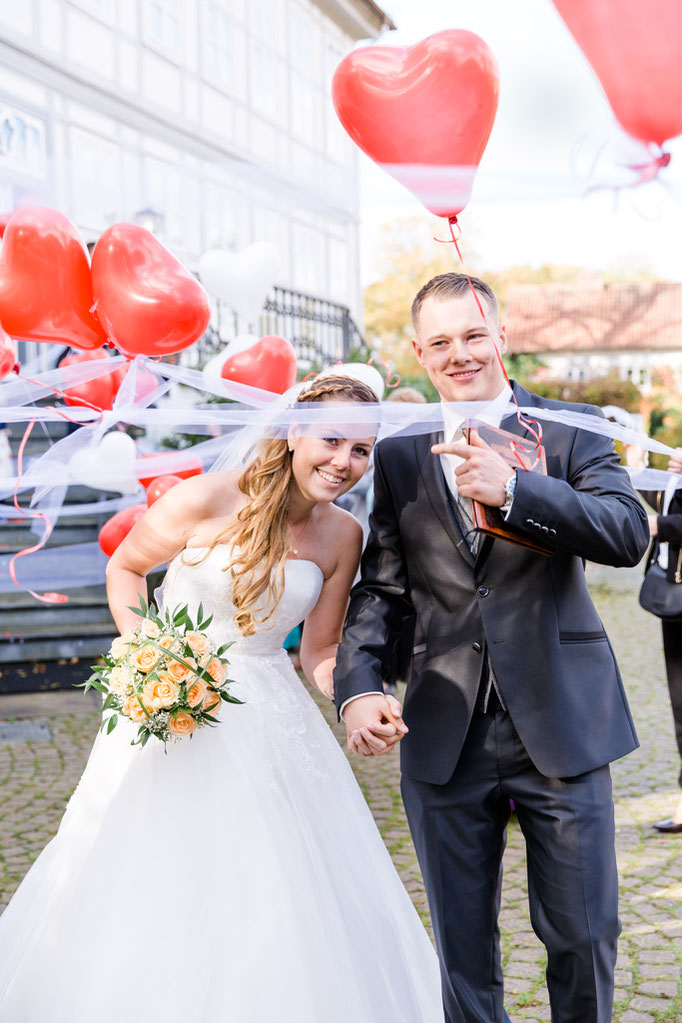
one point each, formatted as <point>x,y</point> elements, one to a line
<point>8,356</point>
<point>114,532</point>
<point>147,301</point>
<point>179,465</point>
<point>634,48</point>
<point>45,283</point>
<point>424,112</point>
<point>269,364</point>
<point>100,391</point>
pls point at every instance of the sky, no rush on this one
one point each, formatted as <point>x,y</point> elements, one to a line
<point>529,203</point>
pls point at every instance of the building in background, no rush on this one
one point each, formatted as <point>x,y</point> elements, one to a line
<point>208,121</point>
<point>584,332</point>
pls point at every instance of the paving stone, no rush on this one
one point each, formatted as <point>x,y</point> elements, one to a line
<point>37,778</point>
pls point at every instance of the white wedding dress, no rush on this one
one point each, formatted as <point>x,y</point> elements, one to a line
<point>239,878</point>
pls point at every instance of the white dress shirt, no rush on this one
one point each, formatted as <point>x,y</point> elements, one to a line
<point>492,414</point>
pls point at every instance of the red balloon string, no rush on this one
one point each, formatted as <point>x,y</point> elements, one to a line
<point>46,598</point>
<point>531,425</point>
<point>392,378</point>
<point>51,597</point>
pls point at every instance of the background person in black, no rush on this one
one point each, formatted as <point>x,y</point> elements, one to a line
<point>667,529</point>
<point>514,690</point>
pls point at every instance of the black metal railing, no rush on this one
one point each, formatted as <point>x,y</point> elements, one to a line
<point>322,332</point>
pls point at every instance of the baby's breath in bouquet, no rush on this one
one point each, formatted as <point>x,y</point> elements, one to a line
<point>165,675</point>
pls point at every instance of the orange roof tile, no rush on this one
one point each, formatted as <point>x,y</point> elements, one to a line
<point>567,317</point>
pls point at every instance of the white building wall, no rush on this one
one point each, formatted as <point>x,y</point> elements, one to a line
<point>214,114</point>
<point>634,365</point>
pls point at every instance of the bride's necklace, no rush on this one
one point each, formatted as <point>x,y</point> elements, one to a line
<point>296,549</point>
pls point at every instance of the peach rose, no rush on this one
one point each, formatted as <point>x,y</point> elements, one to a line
<point>121,645</point>
<point>213,703</point>
<point>160,692</point>
<point>197,693</point>
<point>170,643</point>
<point>133,710</point>
<point>204,659</point>
<point>149,628</point>
<point>179,672</point>
<point>198,642</point>
<point>183,724</point>
<point>216,670</point>
<point>120,680</point>
<point>145,658</point>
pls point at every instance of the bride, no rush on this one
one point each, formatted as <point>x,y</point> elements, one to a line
<point>239,878</point>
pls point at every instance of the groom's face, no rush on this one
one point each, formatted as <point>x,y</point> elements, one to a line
<point>459,349</point>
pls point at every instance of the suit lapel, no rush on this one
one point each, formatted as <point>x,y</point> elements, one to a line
<point>438,493</point>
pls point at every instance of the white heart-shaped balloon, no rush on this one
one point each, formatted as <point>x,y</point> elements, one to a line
<point>358,371</point>
<point>109,466</point>
<point>242,279</point>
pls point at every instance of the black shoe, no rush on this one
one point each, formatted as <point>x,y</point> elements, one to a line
<point>668,826</point>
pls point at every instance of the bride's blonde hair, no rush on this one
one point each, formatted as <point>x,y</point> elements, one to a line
<point>261,531</point>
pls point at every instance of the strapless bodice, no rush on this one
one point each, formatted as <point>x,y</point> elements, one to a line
<point>196,577</point>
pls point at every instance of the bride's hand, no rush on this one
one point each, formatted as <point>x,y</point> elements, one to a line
<point>396,709</point>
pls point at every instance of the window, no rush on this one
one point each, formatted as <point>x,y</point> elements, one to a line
<point>303,52</point>
<point>304,110</point>
<point>265,18</point>
<point>264,74</point>
<point>166,193</point>
<point>308,258</point>
<point>218,46</point>
<point>95,179</point>
<point>162,23</point>
<point>23,143</point>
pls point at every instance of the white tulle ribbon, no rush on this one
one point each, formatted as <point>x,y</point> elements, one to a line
<point>152,397</point>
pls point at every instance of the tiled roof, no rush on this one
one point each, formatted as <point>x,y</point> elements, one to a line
<point>566,317</point>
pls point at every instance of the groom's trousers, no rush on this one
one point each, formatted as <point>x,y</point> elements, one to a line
<point>459,834</point>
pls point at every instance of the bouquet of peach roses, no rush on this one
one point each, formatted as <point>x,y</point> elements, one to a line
<point>165,675</point>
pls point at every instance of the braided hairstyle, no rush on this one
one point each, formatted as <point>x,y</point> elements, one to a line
<point>262,532</point>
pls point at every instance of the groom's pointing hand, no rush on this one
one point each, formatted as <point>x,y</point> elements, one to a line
<point>482,474</point>
<point>373,724</point>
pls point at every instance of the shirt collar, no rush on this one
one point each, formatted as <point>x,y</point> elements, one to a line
<point>491,412</point>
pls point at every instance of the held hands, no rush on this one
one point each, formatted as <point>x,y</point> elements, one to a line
<point>675,462</point>
<point>374,724</point>
<point>483,473</point>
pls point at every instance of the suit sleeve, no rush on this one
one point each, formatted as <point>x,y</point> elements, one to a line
<point>593,513</point>
<point>670,529</point>
<point>378,603</point>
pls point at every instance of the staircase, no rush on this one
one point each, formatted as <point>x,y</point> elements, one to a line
<point>31,631</point>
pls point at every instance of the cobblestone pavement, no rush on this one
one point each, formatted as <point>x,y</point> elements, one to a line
<point>37,777</point>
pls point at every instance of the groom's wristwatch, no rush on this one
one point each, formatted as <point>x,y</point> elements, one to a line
<point>510,490</point>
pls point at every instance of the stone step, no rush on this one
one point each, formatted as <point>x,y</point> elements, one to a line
<point>79,596</point>
<point>53,649</point>
<point>60,620</point>
<point>13,538</point>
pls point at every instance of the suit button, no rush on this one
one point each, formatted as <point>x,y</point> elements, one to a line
<point>552,532</point>
<point>477,647</point>
<point>529,522</point>
<point>545,529</point>
<point>483,591</point>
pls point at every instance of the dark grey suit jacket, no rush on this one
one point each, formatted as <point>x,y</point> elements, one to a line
<point>552,659</point>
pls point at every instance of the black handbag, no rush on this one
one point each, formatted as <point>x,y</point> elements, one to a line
<point>659,596</point>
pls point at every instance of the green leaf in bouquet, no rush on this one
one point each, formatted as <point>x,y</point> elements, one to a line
<point>200,614</point>
<point>228,698</point>
<point>204,624</point>
<point>110,702</point>
<point>223,648</point>
<point>180,616</point>
<point>110,662</point>
<point>113,721</point>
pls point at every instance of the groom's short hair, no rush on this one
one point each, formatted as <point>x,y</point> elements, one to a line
<point>452,285</point>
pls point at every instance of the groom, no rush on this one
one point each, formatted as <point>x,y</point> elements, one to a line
<point>514,691</point>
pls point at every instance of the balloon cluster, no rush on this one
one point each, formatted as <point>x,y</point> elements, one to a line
<point>136,295</point>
